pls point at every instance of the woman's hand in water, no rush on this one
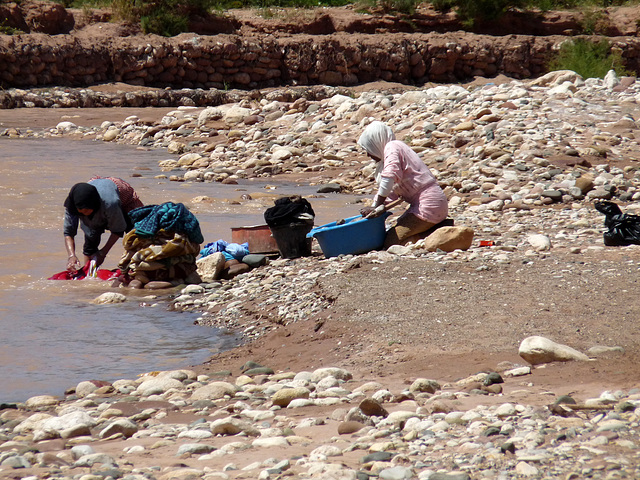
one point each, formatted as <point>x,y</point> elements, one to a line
<point>73,264</point>
<point>99,258</point>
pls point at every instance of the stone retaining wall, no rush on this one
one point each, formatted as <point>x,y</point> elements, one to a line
<point>230,61</point>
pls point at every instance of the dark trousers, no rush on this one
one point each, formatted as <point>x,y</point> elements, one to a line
<point>92,238</point>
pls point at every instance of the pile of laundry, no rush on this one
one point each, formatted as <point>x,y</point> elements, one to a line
<point>224,260</point>
<point>162,247</point>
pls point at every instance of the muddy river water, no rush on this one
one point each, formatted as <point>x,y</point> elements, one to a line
<point>52,337</point>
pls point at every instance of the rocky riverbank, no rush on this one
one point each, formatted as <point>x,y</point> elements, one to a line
<point>322,424</point>
<point>417,341</point>
<point>494,145</point>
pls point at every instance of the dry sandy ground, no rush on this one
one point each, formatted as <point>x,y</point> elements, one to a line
<point>456,321</point>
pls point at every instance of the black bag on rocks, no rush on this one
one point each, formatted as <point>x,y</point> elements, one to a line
<point>623,228</point>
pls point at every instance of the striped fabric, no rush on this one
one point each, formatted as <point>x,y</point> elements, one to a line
<point>128,197</point>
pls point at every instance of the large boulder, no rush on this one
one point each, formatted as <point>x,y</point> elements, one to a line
<point>557,77</point>
<point>284,397</point>
<point>109,297</point>
<point>209,114</point>
<point>72,424</point>
<point>233,426</point>
<point>157,385</point>
<point>539,242</point>
<point>40,401</point>
<point>537,350</point>
<point>214,391</point>
<point>338,373</point>
<point>122,426</point>
<point>236,114</point>
<point>449,239</point>
<point>32,423</point>
<point>210,267</point>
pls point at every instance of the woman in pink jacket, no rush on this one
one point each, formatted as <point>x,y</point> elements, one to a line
<point>400,173</point>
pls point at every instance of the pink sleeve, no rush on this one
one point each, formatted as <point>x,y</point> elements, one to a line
<point>392,162</point>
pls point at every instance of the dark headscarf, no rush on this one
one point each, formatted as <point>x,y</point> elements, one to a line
<point>82,195</point>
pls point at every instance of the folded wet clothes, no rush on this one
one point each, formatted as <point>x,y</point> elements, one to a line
<point>169,216</point>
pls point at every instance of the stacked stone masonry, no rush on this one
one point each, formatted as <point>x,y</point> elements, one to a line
<point>229,61</point>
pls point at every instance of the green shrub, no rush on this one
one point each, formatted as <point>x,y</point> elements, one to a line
<point>442,5</point>
<point>588,59</point>
<point>471,11</point>
<point>8,30</point>
<point>400,6</point>
<point>163,17</point>
<point>546,5</point>
<point>126,10</point>
<point>263,4</point>
<point>595,22</point>
<point>86,3</point>
<point>164,23</point>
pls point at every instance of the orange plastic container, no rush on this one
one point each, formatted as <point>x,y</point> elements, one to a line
<point>258,237</point>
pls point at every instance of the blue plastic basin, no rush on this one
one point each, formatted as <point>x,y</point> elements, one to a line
<point>356,235</point>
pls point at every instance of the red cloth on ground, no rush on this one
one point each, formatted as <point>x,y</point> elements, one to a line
<point>102,274</point>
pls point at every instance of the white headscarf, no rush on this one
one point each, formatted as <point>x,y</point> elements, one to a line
<point>375,137</point>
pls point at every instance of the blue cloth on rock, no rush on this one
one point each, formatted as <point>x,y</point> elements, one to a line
<point>150,219</point>
<point>231,251</point>
<point>213,247</point>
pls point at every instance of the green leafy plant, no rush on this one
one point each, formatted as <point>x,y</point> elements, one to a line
<point>267,12</point>
<point>546,5</point>
<point>471,11</point>
<point>399,6</point>
<point>126,10</point>
<point>86,3</point>
<point>163,17</point>
<point>442,5</point>
<point>595,22</point>
<point>8,30</point>
<point>264,4</point>
<point>588,59</point>
<point>165,23</point>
